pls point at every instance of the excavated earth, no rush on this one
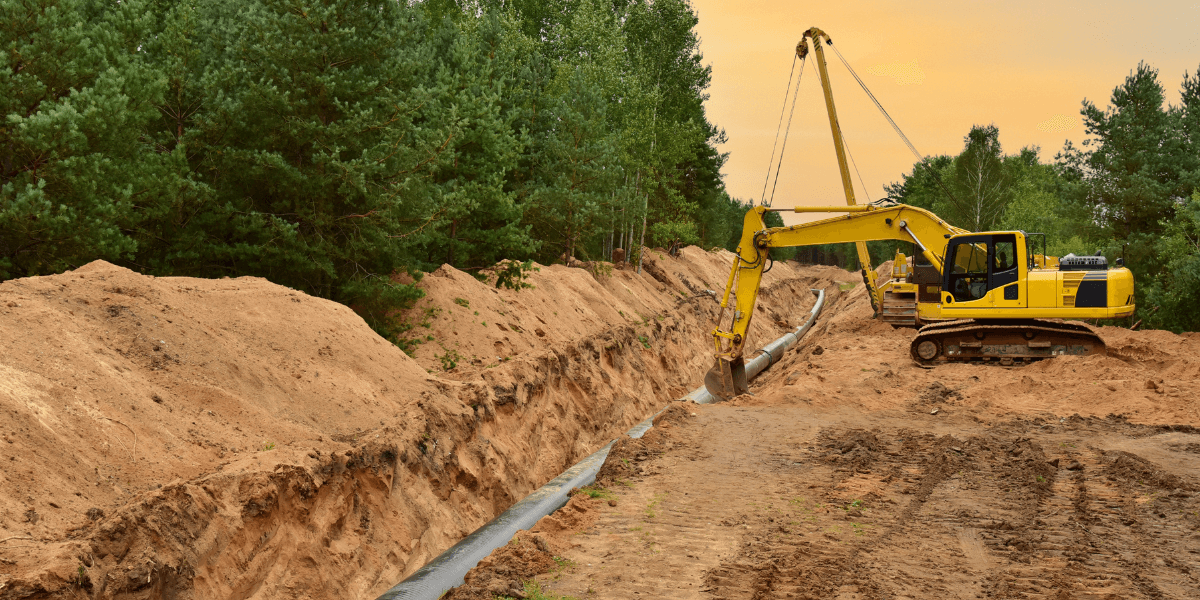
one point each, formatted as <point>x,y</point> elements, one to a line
<point>232,438</point>
<point>852,473</point>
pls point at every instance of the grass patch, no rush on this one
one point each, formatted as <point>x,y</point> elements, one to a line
<point>463,302</point>
<point>845,287</point>
<point>450,359</point>
<point>596,491</point>
<point>654,502</point>
<point>533,591</point>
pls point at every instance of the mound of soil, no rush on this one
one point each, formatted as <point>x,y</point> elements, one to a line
<point>176,436</point>
<point>1150,377</point>
<point>624,460</point>
<point>476,326</point>
<point>187,438</point>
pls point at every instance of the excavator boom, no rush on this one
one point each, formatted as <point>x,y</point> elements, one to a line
<point>860,224</point>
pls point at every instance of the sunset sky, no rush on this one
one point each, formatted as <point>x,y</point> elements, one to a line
<point>936,66</point>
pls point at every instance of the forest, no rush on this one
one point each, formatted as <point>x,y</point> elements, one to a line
<point>345,147</point>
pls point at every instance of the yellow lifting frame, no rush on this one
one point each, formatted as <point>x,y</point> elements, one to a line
<point>864,258</point>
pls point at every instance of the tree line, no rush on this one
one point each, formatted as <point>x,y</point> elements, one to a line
<point>1130,190</point>
<point>330,145</point>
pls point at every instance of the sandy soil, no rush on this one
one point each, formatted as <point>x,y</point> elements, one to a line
<point>852,473</point>
<point>185,438</point>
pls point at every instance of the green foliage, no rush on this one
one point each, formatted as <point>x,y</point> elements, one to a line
<point>924,186</point>
<point>1176,289</point>
<point>476,95</point>
<point>1131,171</point>
<point>982,184</point>
<point>574,170</point>
<point>597,491</point>
<point>670,234</point>
<point>1037,206</point>
<point>512,274</point>
<point>449,358</point>
<point>533,591</point>
<point>75,91</point>
<point>1137,168</point>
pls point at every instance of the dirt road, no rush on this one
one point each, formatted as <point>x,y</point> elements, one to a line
<point>796,502</point>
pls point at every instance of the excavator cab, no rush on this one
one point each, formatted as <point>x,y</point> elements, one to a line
<point>985,270</point>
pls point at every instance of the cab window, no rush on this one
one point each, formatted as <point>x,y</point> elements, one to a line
<point>969,271</point>
<point>1004,255</point>
<point>981,263</point>
<point>1004,247</point>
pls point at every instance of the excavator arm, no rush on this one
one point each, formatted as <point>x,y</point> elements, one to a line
<point>862,223</point>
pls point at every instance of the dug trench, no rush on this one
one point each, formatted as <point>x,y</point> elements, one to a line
<point>186,438</point>
<point>852,473</point>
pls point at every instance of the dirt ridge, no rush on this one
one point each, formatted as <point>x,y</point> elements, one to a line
<point>176,437</point>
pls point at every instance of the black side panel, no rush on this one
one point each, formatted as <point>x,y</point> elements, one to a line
<point>1093,293</point>
<point>926,274</point>
<point>929,283</point>
<point>1010,292</point>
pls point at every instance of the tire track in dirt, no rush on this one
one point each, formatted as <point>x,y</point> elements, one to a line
<point>912,511</point>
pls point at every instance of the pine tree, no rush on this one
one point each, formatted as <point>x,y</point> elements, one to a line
<point>923,187</point>
<point>1131,174</point>
<point>76,97</point>
<point>477,70</point>
<point>313,134</point>
<point>1188,119</point>
<point>575,172</point>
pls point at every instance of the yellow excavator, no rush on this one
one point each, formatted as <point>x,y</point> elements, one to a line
<point>976,296</point>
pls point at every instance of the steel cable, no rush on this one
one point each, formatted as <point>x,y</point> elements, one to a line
<point>786,90</point>
<point>791,114</point>
<point>920,159</point>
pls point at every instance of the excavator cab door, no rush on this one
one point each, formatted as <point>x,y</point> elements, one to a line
<point>984,271</point>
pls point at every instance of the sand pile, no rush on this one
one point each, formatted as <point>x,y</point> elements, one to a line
<point>480,326</point>
<point>1150,377</point>
<point>188,438</point>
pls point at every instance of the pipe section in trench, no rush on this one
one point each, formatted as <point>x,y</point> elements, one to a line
<point>448,569</point>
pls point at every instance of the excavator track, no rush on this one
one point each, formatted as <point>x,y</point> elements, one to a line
<point>1005,342</point>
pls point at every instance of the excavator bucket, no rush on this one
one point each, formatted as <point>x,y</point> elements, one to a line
<point>727,378</point>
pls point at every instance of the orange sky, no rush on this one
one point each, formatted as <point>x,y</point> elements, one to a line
<point>937,67</point>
